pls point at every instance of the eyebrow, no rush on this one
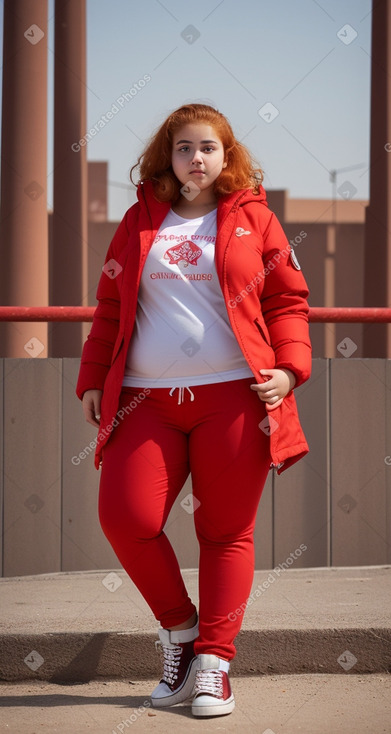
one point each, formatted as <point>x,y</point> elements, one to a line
<point>190,141</point>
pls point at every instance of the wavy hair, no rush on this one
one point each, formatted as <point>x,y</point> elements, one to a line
<point>241,172</point>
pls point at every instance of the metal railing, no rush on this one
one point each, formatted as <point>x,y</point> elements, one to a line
<point>86,313</point>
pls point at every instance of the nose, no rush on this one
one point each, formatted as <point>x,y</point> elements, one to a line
<point>197,157</point>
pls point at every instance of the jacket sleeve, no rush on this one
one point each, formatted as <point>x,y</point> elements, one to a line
<point>284,304</point>
<point>98,348</point>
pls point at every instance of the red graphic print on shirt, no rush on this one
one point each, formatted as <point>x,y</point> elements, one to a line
<point>186,251</point>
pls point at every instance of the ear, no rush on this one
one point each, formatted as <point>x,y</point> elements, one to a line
<point>225,164</point>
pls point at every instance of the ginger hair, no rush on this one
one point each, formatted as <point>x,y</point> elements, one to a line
<point>241,172</point>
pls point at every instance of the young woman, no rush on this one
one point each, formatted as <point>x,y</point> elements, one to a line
<point>198,339</point>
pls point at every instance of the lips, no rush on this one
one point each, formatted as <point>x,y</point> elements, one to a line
<point>197,172</point>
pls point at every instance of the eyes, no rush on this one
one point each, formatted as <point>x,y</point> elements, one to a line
<point>206,149</point>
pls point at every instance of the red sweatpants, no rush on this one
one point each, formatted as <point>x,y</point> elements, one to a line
<point>145,463</point>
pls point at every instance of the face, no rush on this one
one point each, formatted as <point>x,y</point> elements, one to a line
<point>197,155</point>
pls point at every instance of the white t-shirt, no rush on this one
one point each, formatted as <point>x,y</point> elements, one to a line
<point>182,335</point>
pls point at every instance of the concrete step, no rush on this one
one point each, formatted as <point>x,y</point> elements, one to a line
<point>81,626</point>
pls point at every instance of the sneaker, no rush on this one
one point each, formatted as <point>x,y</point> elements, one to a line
<point>180,662</point>
<point>212,690</point>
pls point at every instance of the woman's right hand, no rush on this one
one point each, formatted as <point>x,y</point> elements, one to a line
<point>91,406</point>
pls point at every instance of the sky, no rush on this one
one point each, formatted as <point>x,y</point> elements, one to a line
<point>293,78</point>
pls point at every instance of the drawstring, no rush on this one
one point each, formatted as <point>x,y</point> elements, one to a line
<point>181,394</point>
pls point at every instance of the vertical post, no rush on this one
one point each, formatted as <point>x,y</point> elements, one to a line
<point>24,219</point>
<point>329,287</point>
<point>377,286</point>
<point>68,260</point>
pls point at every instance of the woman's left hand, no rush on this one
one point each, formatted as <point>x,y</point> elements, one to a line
<point>278,383</point>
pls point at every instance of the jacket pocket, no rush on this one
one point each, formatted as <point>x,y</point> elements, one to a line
<point>262,328</point>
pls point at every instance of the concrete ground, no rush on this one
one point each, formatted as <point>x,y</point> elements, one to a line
<point>77,654</point>
<point>282,704</point>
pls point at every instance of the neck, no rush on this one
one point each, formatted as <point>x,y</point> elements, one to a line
<point>205,198</point>
<point>195,208</point>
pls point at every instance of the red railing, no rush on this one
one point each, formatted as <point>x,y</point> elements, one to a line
<point>85,313</point>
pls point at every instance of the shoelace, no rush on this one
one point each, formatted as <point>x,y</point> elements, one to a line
<point>209,681</point>
<point>171,660</point>
<point>181,394</point>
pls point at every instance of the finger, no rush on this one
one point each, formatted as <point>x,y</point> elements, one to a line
<point>261,396</point>
<point>267,373</point>
<point>91,417</point>
<point>268,385</point>
<point>265,387</point>
<point>271,399</point>
<point>272,406</point>
<point>96,414</point>
<point>93,422</point>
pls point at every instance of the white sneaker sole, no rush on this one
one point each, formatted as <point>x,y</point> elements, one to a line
<point>213,709</point>
<point>182,694</point>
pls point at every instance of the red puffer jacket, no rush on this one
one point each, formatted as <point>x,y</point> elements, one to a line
<point>265,295</point>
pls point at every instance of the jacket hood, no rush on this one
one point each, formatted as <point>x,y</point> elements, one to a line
<point>226,202</point>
